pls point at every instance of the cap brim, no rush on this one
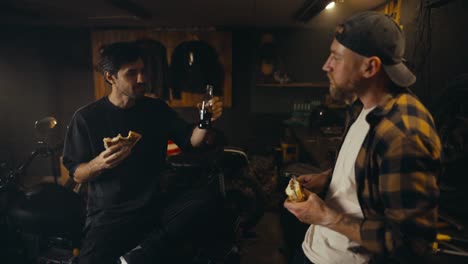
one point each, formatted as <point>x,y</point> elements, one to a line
<point>400,74</point>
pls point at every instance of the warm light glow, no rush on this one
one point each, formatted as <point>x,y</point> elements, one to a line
<point>331,5</point>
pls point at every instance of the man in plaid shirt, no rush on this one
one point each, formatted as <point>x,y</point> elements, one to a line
<point>382,195</point>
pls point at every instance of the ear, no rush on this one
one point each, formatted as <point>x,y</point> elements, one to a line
<point>372,66</point>
<point>109,77</point>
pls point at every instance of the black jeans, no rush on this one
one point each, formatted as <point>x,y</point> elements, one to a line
<point>179,222</point>
<point>300,258</point>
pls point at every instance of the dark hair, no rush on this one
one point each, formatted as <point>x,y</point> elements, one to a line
<point>114,55</point>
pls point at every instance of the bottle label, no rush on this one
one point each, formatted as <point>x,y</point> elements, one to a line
<point>205,118</point>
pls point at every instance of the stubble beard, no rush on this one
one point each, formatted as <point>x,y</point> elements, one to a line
<point>131,94</point>
<point>134,93</point>
<point>340,94</point>
<point>138,91</point>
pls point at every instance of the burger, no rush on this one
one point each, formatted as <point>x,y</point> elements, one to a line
<point>294,191</point>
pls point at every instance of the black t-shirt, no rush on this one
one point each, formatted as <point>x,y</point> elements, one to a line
<point>132,186</point>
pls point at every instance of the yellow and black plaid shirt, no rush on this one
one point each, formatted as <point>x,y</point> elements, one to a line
<point>396,175</point>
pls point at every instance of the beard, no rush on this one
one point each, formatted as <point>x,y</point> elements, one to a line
<point>138,92</point>
<point>340,94</point>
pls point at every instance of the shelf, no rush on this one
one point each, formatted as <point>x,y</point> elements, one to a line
<point>296,84</point>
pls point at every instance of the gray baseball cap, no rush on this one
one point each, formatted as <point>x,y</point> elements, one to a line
<point>375,34</point>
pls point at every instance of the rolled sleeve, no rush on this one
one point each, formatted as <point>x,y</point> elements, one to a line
<point>76,145</point>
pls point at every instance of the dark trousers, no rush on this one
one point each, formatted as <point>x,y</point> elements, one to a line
<point>179,222</point>
<point>300,258</point>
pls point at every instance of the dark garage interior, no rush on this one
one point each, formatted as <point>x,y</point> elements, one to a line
<point>278,119</point>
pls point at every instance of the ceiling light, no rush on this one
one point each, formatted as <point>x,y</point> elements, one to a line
<point>331,5</point>
<point>310,9</point>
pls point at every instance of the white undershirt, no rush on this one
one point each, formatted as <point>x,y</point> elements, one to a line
<point>322,245</point>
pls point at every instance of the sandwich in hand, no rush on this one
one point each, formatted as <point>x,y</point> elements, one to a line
<point>294,191</point>
<point>129,140</point>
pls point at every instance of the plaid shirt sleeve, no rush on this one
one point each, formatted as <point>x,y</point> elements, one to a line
<point>400,203</point>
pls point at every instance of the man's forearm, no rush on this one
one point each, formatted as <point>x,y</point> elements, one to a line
<point>86,172</point>
<point>327,177</point>
<point>198,135</point>
<point>327,172</point>
<point>348,226</point>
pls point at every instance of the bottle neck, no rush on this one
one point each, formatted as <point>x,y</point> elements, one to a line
<point>209,90</point>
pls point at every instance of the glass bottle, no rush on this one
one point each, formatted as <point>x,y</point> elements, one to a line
<point>206,111</point>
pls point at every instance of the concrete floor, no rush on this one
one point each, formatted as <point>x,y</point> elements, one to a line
<point>268,245</point>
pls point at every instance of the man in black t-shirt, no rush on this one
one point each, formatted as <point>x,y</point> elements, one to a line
<point>125,209</point>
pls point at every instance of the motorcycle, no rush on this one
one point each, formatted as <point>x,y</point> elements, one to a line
<point>44,223</point>
<point>239,195</point>
<point>46,217</point>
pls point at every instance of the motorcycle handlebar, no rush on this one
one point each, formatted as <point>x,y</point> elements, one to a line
<point>43,149</point>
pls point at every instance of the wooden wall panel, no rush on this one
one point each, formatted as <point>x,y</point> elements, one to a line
<point>221,41</point>
<point>393,9</point>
